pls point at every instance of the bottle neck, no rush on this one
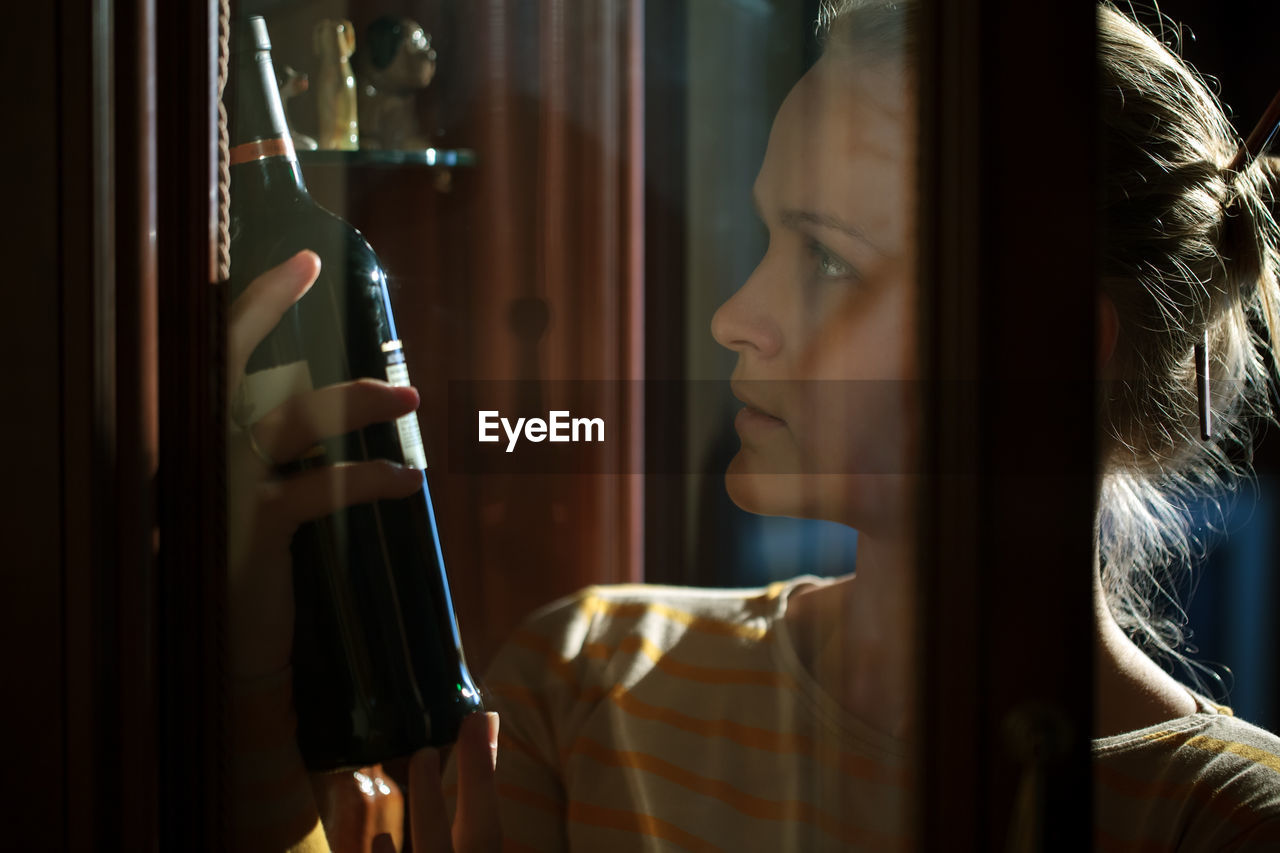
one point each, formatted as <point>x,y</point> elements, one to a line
<point>262,153</point>
<point>273,148</point>
<point>275,176</point>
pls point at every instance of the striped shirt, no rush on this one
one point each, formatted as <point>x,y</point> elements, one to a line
<point>661,718</point>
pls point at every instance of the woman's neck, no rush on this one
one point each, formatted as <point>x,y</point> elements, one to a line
<point>858,637</point>
<point>1130,690</point>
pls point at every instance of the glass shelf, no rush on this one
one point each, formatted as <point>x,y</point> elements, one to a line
<point>444,157</point>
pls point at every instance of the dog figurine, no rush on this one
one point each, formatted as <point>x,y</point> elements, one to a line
<point>396,61</point>
<point>335,86</point>
<point>292,84</point>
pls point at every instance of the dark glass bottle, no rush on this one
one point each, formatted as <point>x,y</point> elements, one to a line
<point>377,662</point>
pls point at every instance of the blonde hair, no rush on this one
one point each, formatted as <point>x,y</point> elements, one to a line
<point>1188,247</point>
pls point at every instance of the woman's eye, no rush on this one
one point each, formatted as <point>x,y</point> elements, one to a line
<point>830,266</point>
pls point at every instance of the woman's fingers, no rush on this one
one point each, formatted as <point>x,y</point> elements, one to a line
<point>257,311</point>
<point>428,819</point>
<point>263,515</point>
<point>317,492</point>
<point>476,827</point>
<point>292,428</point>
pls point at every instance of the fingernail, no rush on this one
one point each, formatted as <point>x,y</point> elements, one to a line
<point>491,717</point>
<point>302,263</point>
<point>305,253</point>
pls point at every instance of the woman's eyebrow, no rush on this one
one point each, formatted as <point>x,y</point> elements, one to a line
<point>797,218</point>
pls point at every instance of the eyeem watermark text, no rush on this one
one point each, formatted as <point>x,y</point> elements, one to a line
<point>559,427</point>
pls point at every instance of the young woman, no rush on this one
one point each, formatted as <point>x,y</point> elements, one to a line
<point>781,719</point>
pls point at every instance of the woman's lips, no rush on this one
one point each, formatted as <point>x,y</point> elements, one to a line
<point>753,420</point>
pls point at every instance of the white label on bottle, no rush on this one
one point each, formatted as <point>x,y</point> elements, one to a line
<point>262,391</point>
<point>410,435</point>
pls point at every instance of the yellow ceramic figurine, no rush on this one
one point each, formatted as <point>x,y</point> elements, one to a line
<point>335,85</point>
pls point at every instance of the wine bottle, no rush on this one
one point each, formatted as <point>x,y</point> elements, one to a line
<point>378,668</point>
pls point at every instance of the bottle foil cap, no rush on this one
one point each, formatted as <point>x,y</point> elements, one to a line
<point>250,34</point>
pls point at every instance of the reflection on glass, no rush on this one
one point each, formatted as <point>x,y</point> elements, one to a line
<point>783,716</point>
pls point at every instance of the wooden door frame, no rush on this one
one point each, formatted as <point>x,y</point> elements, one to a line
<point>1006,595</point>
<point>190,489</point>
<point>112,607</point>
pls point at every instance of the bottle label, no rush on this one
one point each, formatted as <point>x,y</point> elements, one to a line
<point>410,435</point>
<point>262,391</point>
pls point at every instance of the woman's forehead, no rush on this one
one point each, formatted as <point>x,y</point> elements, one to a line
<point>842,141</point>
<point>870,105</point>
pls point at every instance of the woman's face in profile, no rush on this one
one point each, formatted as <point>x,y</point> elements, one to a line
<point>824,327</point>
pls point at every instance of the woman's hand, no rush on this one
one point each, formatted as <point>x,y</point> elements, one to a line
<point>367,817</point>
<point>476,828</point>
<point>362,810</point>
<point>264,508</point>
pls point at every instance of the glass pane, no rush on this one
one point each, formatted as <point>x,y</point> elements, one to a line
<point>758,432</point>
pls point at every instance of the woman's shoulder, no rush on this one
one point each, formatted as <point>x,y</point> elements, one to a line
<point>1212,728</point>
<point>578,654</point>
<point>617,633</point>
<point>1209,778</point>
<point>651,608</point>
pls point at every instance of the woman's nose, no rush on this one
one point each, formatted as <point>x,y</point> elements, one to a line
<point>746,321</point>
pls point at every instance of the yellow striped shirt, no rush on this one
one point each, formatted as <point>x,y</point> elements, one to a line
<point>661,718</point>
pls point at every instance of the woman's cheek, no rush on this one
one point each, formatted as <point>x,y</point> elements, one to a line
<point>852,426</point>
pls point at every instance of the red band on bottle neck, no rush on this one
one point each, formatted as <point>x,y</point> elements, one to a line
<point>260,149</point>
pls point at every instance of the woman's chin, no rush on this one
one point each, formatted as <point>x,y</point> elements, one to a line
<point>766,492</point>
<point>870,503</point>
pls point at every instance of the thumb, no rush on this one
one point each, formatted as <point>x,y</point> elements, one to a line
<point>428,819</point>
<point>477,825</point>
